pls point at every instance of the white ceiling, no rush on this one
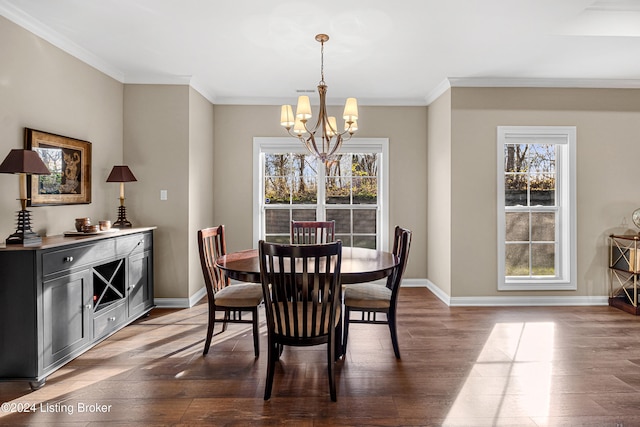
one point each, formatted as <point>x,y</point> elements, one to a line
<point>383,52</point>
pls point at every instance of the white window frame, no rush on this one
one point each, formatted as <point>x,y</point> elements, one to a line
<point>566,258</point>
<point>263,145</point>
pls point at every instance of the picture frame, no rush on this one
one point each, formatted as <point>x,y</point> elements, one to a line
<point>69,161</point>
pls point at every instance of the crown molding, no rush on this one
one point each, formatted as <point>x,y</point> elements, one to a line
<point>370,102</point>
<point>540,83</point>
<point>36,27</point>
<point>506,82</point>
<point>438,91</point>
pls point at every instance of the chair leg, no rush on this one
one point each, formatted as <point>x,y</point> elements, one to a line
<point>224,320</point>
<point>256,337</point>
<point>391,320</point>
<point>345,332</point>
<point>271,364</point>
<point>280,350</point>
<point>331,357</point>
<point>212,322</point>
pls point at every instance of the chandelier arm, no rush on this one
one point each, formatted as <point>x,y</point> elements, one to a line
<point>322,112</point>
<point>309,131</point>
<point>346,135</point>
<point>311,144</point>
<point>337,146</point>
<point>323,120</point>
<point>295,135</point>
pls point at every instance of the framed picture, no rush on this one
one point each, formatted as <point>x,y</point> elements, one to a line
<point>69,161</point>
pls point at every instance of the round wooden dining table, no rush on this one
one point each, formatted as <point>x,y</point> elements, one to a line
<point>358,265</point>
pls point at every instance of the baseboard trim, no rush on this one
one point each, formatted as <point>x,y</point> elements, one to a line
<point>181,302</point>
<point>493,301</point>
<point>517,301</point>
<point>439,293</point>
<point>542,301</point>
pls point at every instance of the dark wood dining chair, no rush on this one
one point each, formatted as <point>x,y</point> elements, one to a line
<point>302,296</point>
<point>369,299</point>
<point>232,299</point>
<point>312,232</point>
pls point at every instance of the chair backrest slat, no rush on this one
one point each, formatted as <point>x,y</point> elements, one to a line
<point>401,246</point>
<point>312,232</point>
<point>212,245</point>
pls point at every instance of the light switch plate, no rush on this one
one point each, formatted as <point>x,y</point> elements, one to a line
<point>163,194</point>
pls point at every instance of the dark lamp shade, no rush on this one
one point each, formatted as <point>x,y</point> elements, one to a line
<point>24,161</point>
<point>121,174</point>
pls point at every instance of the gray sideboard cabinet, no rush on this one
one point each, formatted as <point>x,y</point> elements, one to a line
<point>59,299</point>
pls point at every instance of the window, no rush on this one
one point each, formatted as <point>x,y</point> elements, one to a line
<point>536,208</point>
<point>292,184</point>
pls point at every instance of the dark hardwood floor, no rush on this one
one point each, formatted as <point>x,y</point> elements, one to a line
<point>471,366</point>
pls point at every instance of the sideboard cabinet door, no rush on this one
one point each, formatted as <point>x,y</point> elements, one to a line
<point>67,317</point>
<point>140,292</point>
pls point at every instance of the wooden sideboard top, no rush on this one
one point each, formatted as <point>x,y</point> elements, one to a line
<point>62,240</point>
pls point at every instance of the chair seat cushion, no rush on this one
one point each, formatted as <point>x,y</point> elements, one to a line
<point>239,295</point>
<point>317,330</point>
<point>367,295</point>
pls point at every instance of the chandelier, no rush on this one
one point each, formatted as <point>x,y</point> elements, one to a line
<point>324,139</point>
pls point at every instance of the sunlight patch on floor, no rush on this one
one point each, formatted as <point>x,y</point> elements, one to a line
<point>511,377</point>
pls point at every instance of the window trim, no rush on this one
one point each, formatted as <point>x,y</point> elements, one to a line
<point>291,145</point>
<point>566,277</point>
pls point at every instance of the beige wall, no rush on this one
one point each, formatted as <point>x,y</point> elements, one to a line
<point>43,88</point>
<point>168,137</point>
<point>439,193</point>
<point>156,148</point>
<point>406,128</point>
<point>608,130</point>
<point>200,180</point>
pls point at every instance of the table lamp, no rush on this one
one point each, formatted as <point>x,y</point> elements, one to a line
<point>23,162</point>
<point>121,174</point>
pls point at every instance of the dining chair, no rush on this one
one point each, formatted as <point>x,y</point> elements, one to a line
<point>232,299</point>
<point>312,232</point>
<point>369,299</point>
<point>302,296</point>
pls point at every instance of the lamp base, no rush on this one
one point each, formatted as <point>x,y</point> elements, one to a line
<point>24,235</point>
<point>122,221</point>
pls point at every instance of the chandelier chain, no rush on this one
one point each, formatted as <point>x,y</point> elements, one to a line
<point>322,63</point>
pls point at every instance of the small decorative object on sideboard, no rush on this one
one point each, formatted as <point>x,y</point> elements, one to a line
<point>121,174</point>
<point>104,225</point>
<point>81,223</point>
<point>89,228</point>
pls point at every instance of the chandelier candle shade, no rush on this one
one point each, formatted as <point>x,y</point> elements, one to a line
<point>324,139</point>
<point>121,174</point>
<point>23,162</point>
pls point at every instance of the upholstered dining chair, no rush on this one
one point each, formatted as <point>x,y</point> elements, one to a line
<point>369,299</point>
<point>232,299</point>
<point>302,296</point>
<point>312,232</point>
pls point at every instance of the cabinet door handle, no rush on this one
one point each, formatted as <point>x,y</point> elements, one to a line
<point>111,319</point>
<point>68,259</point>
<point>88,306</point>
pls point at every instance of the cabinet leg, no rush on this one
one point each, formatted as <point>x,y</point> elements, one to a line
<point>36,385</point>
